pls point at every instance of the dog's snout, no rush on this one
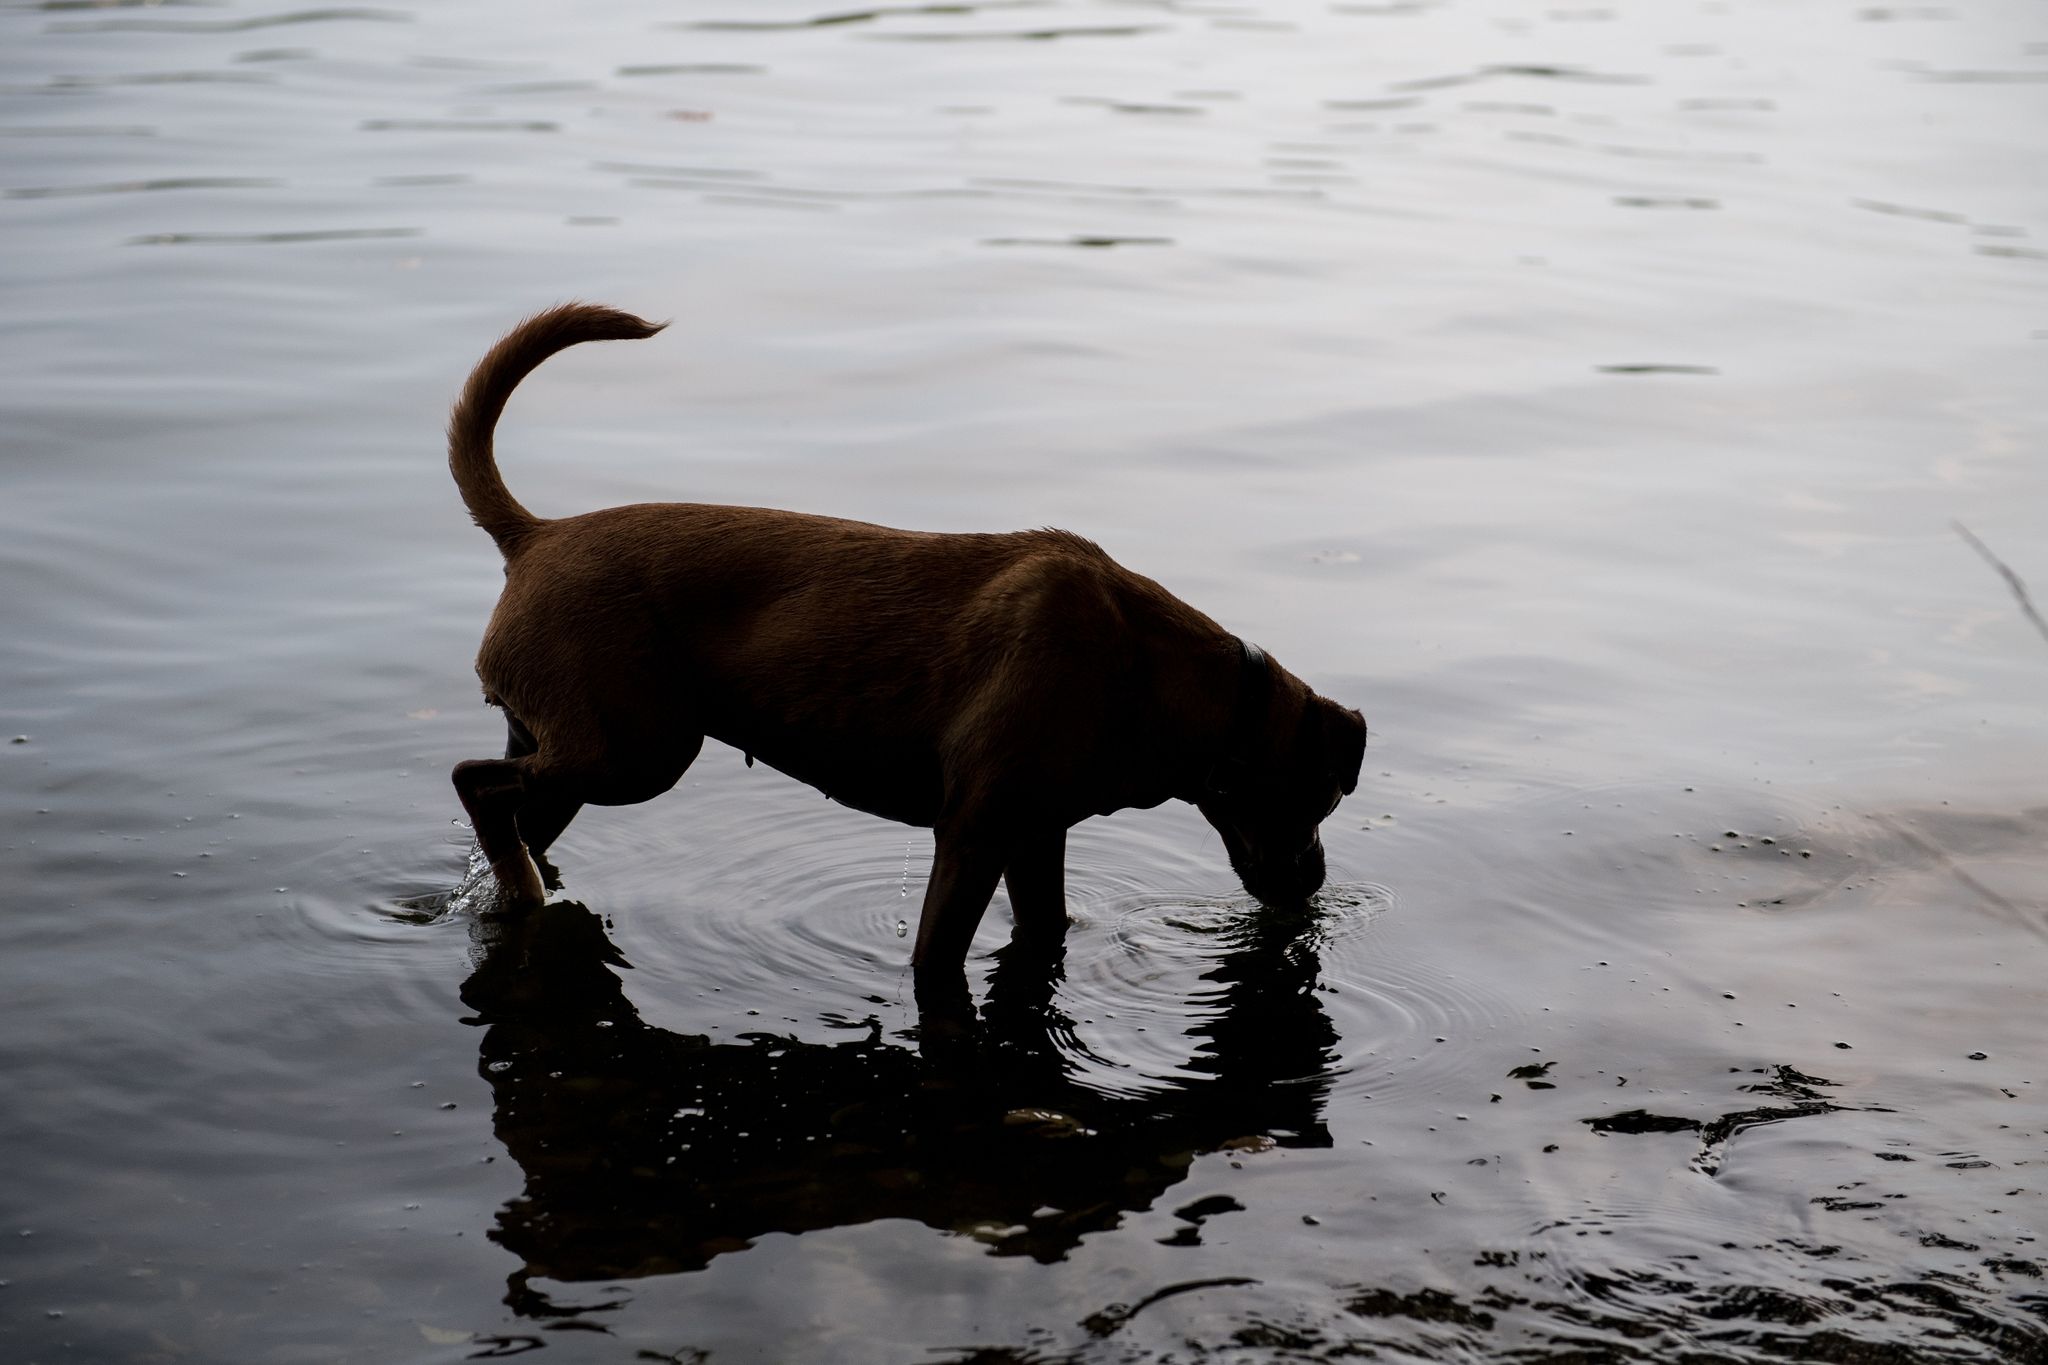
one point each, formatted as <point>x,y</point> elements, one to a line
<point>1285,881</point>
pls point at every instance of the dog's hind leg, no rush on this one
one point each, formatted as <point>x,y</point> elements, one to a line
<point>492,791</point>
<point>541,821</point>
<point>626,770</point>
<point>560,782</point>
<point>542,790</point>
<point>1037,880</point>
<point>544,815</point>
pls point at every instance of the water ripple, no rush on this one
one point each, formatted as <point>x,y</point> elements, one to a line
<point>185,182</point>
<point>864,16</point>
<point>300,235</point>
<point>309,16</point>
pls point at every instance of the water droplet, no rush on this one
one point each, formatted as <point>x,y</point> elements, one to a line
<point>902,928</point>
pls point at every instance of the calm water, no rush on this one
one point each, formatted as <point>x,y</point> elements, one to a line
<point>1585,392</point>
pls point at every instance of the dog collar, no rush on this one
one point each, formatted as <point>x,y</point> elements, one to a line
<point>1254,684</point>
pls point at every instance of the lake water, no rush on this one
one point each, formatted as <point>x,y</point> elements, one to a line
<point>1586,392</point>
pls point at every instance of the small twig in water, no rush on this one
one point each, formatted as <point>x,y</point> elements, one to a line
<point>1116,1315</point>
<point>2014,913</point>
<point>2012,580</point>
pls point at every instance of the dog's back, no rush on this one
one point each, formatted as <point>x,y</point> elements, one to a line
<point>852,656</point>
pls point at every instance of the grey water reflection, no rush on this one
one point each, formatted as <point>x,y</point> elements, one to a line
<point>648,1152</point>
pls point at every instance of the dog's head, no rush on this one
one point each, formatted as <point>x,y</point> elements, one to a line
<point>1270,803</point>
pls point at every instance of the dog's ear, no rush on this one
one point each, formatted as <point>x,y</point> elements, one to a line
<point>1343,735</point>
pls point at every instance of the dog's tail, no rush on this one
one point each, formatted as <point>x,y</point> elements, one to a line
<point>470,426</point>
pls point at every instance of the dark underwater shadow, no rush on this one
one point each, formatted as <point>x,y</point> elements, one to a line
<point>647,1152</point>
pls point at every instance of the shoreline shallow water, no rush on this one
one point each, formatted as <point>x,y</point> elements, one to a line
<point>1588,396</point>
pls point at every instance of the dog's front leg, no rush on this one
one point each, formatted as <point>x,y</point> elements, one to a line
<point>966,863</point>
<point>1036,877</point>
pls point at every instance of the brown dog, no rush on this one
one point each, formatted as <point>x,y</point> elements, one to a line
<point>996,688</point>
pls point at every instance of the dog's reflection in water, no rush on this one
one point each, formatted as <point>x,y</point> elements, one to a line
<point>647,1152</point>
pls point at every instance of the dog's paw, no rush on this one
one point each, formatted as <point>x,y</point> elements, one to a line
<point>519,883</point>
<point>483,891</point>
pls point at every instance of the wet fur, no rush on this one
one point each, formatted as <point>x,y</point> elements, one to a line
<point>997,688</point>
